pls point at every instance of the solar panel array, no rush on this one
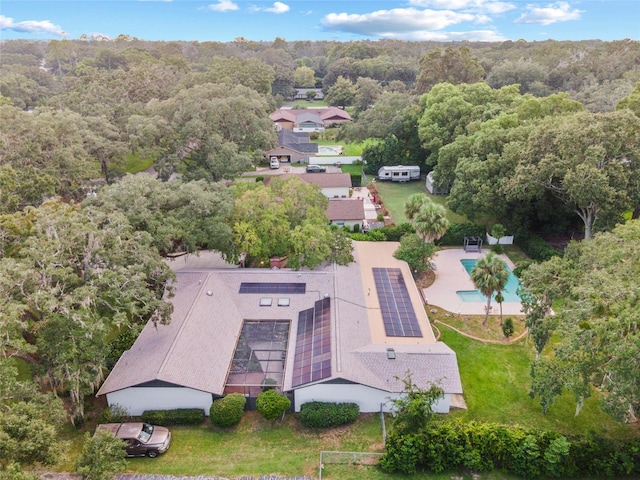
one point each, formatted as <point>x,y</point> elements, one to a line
<point>312,360</point>
<point>274,288</point>
<point>398,314</point>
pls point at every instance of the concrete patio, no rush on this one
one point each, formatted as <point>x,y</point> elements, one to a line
<point>452,277</point>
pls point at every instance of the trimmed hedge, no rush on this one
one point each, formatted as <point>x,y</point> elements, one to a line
<point>178,416</point>
<point>227,411</point>
<point>271,404</point>
<point>326,414</point>
<point>450,446</point>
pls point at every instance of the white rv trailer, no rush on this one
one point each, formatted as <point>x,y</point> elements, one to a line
<point>399,173</point>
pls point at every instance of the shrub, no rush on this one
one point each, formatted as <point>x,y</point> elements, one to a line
<point>394,233</point>
<point>259,179</point>
<point>528,453</point>
<point>457,231</point>
<point>271,404</point>
<point>178,416</point>
<point>537,248</point>
<point>326,414</point>
<point>356,228</point>
<point>356,179</point>
<point>507,327</point>
<point>227,411</point>
<point>102,455</point>
<point>113,414</point>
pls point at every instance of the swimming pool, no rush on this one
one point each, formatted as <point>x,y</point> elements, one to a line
<point>322,150</point>
<point>509,292</point>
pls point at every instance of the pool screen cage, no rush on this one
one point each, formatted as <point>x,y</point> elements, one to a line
<point>473,244</point>
<point>259,358</point>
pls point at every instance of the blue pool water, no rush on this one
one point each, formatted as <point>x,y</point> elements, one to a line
<point>327,151</point>
<point>509,292</point>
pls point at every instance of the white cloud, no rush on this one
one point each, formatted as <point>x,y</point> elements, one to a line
<point>486,6</point>
<point>555,12</point>
<point>395,23</point>
<point>278,7</point>
<point>31,26</point>
<point>223,6</point>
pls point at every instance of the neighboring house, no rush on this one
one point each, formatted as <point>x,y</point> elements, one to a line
<point>293,147</point>
<point>332,185</point>
<point>308,119</point>
<point>336,334</point>
<point>301,93</point>
<point>346,212</point>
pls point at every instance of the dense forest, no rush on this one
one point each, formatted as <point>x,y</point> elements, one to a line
<point>543,137</point>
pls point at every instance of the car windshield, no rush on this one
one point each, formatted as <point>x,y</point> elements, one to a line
<point>145,433</point>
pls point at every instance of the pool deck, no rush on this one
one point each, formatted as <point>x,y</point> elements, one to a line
<point>451,277</point>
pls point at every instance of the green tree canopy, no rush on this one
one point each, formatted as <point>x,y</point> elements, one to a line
<point>287,219</point>
<point>180,216</point>
<point>73,275</point>
<point>587,161</point>
<point>598,323</point>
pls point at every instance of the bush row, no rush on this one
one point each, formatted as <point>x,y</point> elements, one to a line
<point>325,414</point>
<point>392,233</point>
<point>450,446</point>
<point>179,416</point>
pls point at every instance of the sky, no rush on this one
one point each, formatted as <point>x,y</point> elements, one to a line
<point>343,21</point>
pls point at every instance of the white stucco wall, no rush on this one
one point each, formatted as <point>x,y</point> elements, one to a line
<point>138,399</point>
<point>368,399</point>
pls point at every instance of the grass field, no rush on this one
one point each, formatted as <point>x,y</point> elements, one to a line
<point>395,194</point>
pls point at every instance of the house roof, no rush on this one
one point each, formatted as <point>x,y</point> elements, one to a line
<point>345,209</point>
<point>323,180</point>
<point>298,141</point>
<point>196,348</point>
<point>325,115</point>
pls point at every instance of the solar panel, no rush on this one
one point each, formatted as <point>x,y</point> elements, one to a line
<point>274,288</point>
<point>398,315</point>
<point>312,360</point>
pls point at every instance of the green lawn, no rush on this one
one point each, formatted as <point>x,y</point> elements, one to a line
<point>395,194</point>
<point>135,164</point>
<point>495,379</point>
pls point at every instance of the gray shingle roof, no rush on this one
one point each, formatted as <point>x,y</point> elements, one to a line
<point>345,209</point>
<point>196,348</point>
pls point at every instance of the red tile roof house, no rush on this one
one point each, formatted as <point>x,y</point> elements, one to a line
<point>335,334</point>
<point>309,119</point>
<point>346,212</point>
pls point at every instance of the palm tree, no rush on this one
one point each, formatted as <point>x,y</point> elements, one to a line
<point>490,275</point>
<point>429,218</point>
<point>500,299</point>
